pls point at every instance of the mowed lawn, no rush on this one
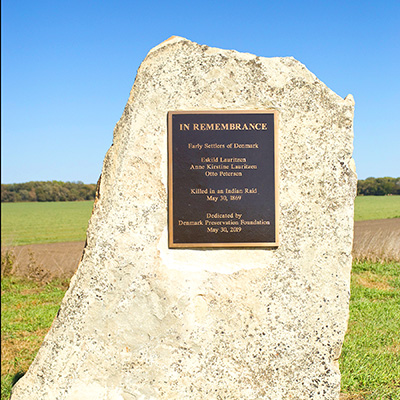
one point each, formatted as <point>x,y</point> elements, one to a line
<point>370,359</point>
<point>28,223</point>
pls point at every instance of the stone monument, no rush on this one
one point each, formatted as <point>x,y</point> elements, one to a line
<point>154,316</point>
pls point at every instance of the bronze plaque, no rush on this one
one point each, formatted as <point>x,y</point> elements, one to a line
<point>222,179</point>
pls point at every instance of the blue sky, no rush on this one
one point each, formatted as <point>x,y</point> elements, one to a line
<point>68,67</point>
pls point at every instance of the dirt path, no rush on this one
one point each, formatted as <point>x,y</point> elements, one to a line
<point>376,238</point>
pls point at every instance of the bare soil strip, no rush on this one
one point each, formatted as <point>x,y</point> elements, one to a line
<point>46,261</point>
<point>377,240</point>
<point>373,240</point>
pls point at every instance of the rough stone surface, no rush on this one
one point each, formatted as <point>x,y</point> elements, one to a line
<point>141,321</point>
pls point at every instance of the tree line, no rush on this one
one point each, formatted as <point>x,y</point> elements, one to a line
<point>47,191</point>
<point>75,191</point>
<point>378,186</point>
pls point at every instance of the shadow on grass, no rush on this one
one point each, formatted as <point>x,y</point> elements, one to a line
<point>17,377</point>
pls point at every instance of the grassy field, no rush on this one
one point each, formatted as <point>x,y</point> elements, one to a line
<point>376,207</point>
<point>28,223</point>
<point>370,360</point>
<point>28,309</point>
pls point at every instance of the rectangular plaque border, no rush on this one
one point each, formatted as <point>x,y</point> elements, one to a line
<point>172,245</point>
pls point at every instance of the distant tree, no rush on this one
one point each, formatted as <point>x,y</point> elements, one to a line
<point>47,191</point>
<point>378,186</point>
<point>75,191</point>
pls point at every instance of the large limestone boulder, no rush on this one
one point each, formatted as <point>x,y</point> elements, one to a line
<point>142,321</point>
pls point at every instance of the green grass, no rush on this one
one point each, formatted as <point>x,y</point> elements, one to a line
<point>28,223</point>
<point>28,309</point>
<point>376,207</point>
<point>370,360</point>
